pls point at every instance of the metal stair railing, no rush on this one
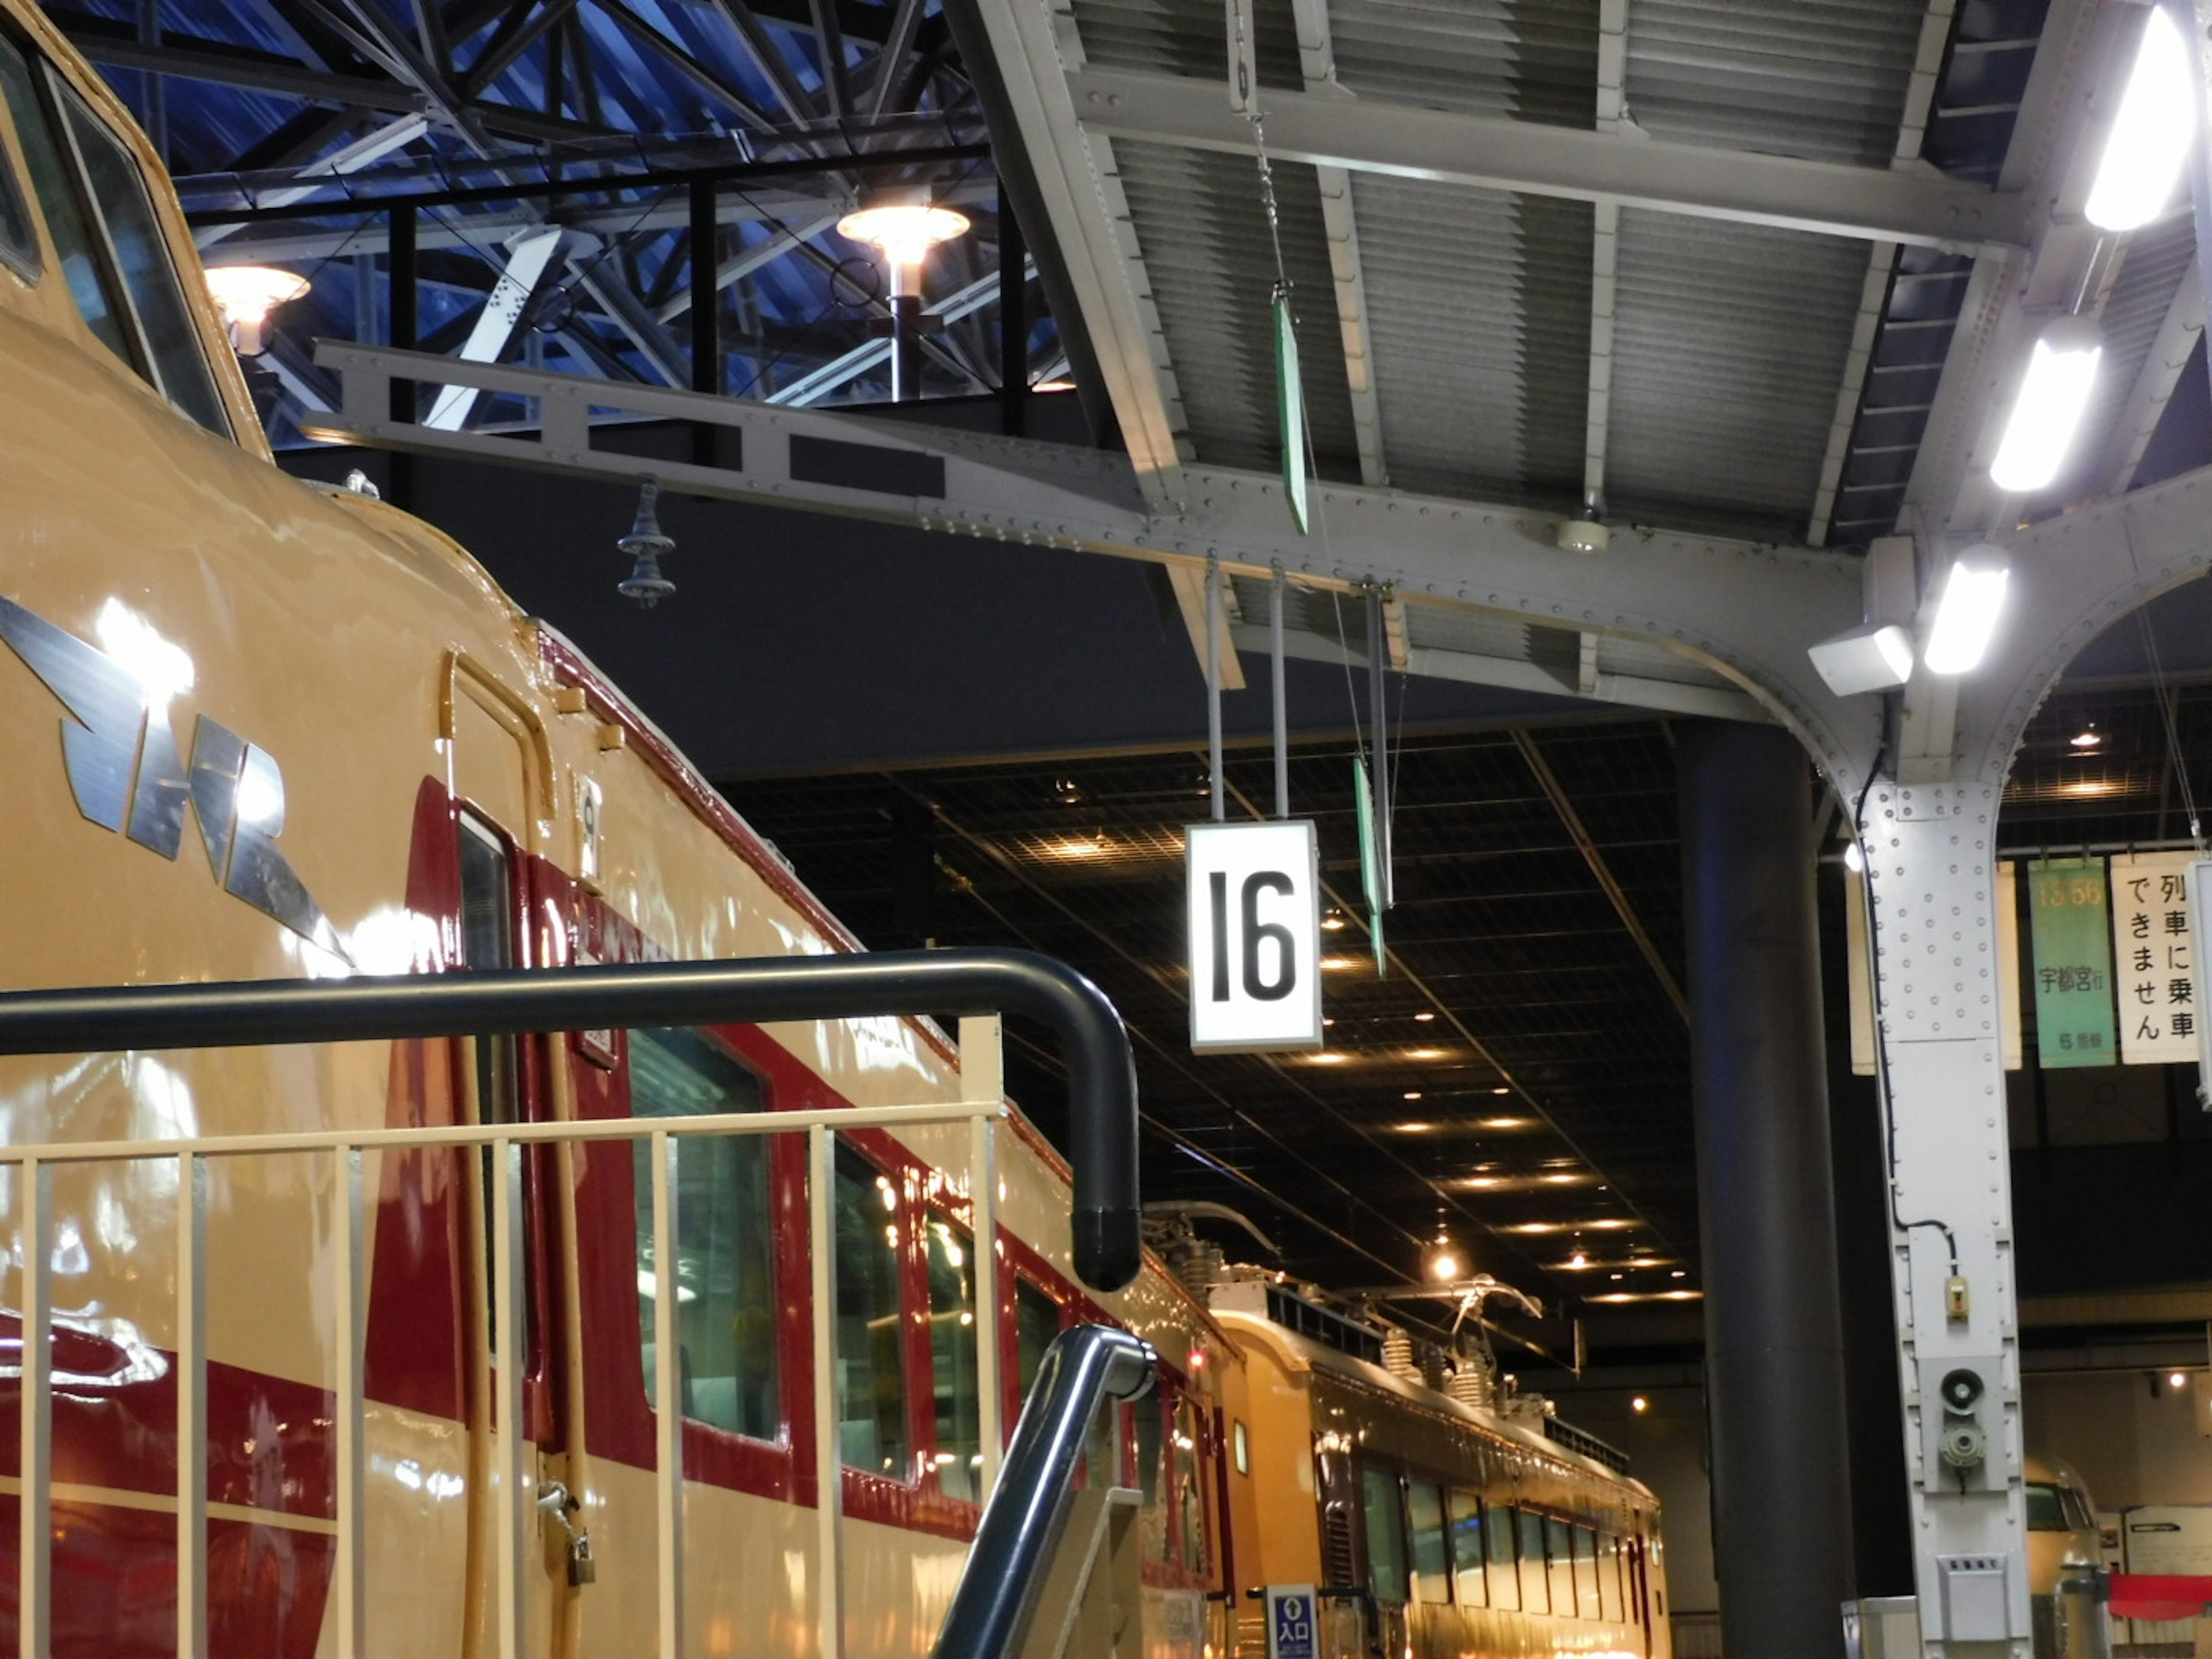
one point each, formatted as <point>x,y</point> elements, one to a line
<point>974,985</point>
<point>999,1602</point>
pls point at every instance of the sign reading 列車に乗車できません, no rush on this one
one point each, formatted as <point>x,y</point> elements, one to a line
<point>2152,960</point>
<point>2069,921</point>
<point>1252,897</point>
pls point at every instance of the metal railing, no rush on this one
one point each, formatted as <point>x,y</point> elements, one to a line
<point>971,984</point>
<point>997,1597</point>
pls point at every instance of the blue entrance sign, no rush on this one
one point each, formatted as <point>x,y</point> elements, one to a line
<point>1291,1632</point>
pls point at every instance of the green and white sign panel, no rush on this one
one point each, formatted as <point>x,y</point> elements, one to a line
<point>2070,923</point>
<point>1253,900</point>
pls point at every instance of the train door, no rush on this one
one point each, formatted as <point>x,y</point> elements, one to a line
<point>498,769</point>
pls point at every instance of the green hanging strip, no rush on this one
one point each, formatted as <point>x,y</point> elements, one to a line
<point>2069,921</point>
<point>1291,399</point>
<point>1371,866</point>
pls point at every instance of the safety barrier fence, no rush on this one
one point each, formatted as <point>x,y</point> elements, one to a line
<point>1102,1099</point>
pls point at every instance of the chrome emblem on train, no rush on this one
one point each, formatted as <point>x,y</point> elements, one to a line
<point>128,775</point>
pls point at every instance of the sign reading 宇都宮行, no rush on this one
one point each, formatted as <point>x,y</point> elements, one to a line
<point>2070,925</point>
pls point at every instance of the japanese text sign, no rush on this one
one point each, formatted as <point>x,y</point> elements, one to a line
<point>2152,959</point>
<point>2069,927</point>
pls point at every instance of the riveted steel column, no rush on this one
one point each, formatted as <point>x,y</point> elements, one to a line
<point>1773,1329</point>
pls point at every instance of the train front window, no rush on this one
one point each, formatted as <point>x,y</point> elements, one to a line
<point>1425,1510</point>
<point>871,1432</point>
<point>51,182</point>
<point>172,341</point>
<point>2045,1512</point>
<point>1379,1501</point>
<point>952,1360</point>
<point>19,239</point>
<point>724,1336</point>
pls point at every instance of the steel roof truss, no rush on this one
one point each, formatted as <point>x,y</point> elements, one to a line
<point>1495,152</point>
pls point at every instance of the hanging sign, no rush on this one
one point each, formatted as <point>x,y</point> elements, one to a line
<point>2070,927</point>
<point>1253,897</point>
<point>2152,959</point>
<point>1290,395</point>
<point>1370,864</point>
<point>1293,1627</point>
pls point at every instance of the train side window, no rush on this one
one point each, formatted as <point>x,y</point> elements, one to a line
<point>1535,1597</point>
<point>953,1361</point>
<point>1036,1322</point>
<point>1381,1502</point>
<point>1425,1512</point>
<point>1588,1604</point>
<point>488,943</point>
<point>1467,1550</point>
<point>1609,1577</point>
<point>1503,1547</point>
<point>19,238</point>
<point>1240,1439</point>
<point>1559,1548</point>
<point>1150,1447</point>
<point>1190,1494</point>
<point>58,204</point>
<point>872,1432</point>
<point>725,1326</point>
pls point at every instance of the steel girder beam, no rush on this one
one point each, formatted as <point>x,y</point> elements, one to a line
<point>348,158</point>
<point>1031,41</point>
<point>1605,250</point>
<point>1495,153</point>
<point>1745,611</point>
<point>812,388</point>
<point>1317,61</point>
<point>2145,404</point>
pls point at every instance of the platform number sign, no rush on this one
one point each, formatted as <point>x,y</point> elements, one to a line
<point>1253,900</point>
<point>1292,1628</point>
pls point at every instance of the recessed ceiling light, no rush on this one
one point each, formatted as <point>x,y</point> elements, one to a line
<point>1504,1122</point>
<point>1328,1057</point>
<point>1481,1182</point>
<point>1537,1228</point>
<point>2087,738</point>
<point>1412,1094</point>
<point>1678,1273</point>
<point>1339,964</point>
<point>1424,1054</point>
<point>1332,923</point>
<point>1424,1016</point>
<point>1501,1090</point>
<point>1412,1129</point>
<point>1610,1224</point>
<point>2089,787</point>
<point>1078,846</point>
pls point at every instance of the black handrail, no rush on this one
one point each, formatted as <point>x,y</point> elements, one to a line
<point>997,1595</point>
<point>1102,1077</point>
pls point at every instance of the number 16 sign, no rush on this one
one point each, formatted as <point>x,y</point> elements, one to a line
<point>1253,897</point>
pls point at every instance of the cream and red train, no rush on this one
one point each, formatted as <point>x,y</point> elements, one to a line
<point>256,729</point>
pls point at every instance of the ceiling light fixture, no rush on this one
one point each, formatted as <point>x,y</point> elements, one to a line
<point>1424,1016</point>
<point>1639,1405</point>
<point>1331,922</point>
<point>245,294</point>
<point>2053,395</point>
<point>905,232</point>
<point>2149,135</point>
<point>1424,1054</point>
<point>1503,1122</point>
<point>1412,1094</point>
<point>1328,1057</point>
<point>2087,738</point>
<point>1966,614</point>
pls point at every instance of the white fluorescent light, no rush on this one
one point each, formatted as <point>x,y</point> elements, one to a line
<point>1966,614</point>
<point>2053,394</point>
<point>2149,135</point>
